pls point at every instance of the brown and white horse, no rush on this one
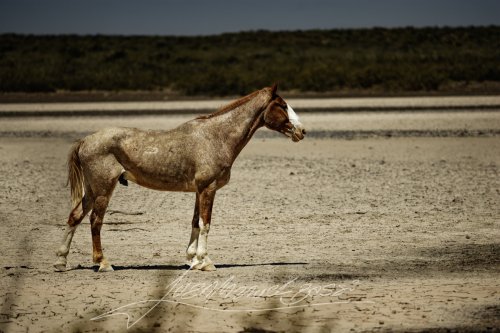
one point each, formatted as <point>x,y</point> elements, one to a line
<point>195,157</point>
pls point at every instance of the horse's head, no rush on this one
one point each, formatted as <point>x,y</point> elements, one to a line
<point>280,117</point>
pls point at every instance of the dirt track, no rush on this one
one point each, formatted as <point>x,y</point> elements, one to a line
<point>397,233</point>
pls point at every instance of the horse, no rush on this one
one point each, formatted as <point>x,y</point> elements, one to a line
<point>196,156</point>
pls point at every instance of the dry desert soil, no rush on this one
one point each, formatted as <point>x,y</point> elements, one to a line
<point>374,222</point>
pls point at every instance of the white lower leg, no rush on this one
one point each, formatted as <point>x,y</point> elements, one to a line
<point>63,250</point>
<point>193,245</point>
<point>201,251</point>
<point>202,261</point>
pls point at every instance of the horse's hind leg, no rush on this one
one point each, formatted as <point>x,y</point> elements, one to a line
<point>104,177</point>
<point>96,219</point>
<point>75,217</point>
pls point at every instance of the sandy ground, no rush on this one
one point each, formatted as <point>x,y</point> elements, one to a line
<point>189,106</point>
<point>377,233</point>
<point>319,125</point>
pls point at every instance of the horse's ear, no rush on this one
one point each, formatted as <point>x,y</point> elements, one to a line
<point>274,89</point>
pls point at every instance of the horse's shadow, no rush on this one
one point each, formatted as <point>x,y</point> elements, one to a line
<point>183,267</point>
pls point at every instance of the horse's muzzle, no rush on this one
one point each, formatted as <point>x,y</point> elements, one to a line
<point>297,133</point>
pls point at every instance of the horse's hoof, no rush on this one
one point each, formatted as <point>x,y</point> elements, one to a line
<point>208,267</point>
<point>60,267</point>
<point>195,264</point>
<point>105,266</point>
<point>205,265</point>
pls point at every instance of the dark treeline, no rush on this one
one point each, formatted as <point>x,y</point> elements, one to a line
<point>384,60</point>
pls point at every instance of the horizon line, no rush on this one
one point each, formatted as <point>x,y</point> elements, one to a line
<point>402,27</point>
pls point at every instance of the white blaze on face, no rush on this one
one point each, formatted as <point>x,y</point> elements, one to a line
<point>292,116</point>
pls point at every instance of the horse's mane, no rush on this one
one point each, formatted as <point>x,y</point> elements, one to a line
<point>230,106</point>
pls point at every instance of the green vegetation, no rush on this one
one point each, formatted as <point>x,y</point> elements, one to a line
<point>384,60</point>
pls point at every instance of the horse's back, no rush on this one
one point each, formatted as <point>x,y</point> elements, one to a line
<point>104,141</point>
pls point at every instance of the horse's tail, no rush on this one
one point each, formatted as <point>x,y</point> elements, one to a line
<point>75,174</point>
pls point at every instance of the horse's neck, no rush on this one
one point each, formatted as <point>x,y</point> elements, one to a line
<point>237,126</point>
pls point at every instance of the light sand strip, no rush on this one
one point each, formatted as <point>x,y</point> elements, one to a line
<point>180,107</point>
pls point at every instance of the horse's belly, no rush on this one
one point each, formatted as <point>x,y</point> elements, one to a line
<point>161,183</point>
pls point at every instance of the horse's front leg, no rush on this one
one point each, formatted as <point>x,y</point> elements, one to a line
<point>195,233</point>
<point>201,260</point>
